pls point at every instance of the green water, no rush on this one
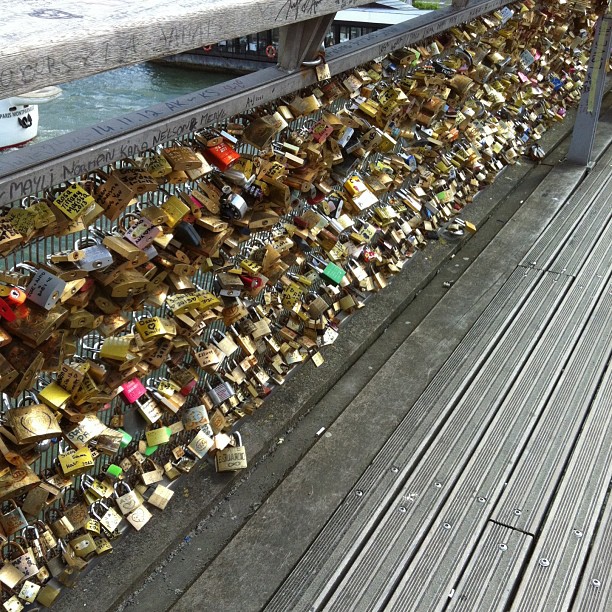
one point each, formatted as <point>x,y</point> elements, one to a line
<point>110,94</point>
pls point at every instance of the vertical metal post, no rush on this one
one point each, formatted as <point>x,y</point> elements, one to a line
<point>299,42</point>
<point>585,127</point>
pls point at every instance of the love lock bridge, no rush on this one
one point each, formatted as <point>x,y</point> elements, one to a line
<point>243,273</point>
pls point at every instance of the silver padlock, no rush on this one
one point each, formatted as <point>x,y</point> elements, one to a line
<point>220,393</point>
<point>233,206</point>
<point>45,289</point>
<point>95,256</point>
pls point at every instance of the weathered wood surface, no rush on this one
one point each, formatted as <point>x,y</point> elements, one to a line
<point>41,166</point>
<point>45,42</point>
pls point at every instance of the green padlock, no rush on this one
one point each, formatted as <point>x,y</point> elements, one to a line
<point>329,271</point>
<point>126,438</point>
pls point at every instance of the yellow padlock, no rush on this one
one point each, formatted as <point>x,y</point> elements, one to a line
<point>115,348</point>
<point>158,436</point>
<point>54,396</point>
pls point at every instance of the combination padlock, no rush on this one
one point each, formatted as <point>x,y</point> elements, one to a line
<point>233,206</point>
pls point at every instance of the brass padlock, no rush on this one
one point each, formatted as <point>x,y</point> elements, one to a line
<point>129,500</point>
<point>231,458</point>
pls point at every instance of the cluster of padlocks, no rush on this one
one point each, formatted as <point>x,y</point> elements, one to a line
<point>177,288</point>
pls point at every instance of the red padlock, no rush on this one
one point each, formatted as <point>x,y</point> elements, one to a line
<point>13,295</point>
<point>252,282</point>
<point>188,388</point>
<point>369,255</point>
<point>222,155</point>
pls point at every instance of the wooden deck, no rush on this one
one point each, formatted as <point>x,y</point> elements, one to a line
<point>504,503</point>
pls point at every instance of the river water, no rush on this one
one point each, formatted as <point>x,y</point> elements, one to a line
<point>116,92</point>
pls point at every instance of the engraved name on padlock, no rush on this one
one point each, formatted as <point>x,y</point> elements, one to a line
<point>45,289</point>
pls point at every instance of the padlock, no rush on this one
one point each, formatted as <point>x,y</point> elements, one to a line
<point>141,231</point>
<point>94,255</point>
<point>109,518</point>
<point>220,393</point>
<point>139,517</point>
<point>160,497</point>
<point>158,436</point>
<point>44,289</point>
<point>28,591</point>
<point>217,151</point>
<point>73,463</point>
<point>315,305</point>
<point>231,458</point>
<point>13,520</point>
<point>74,201</point>
<point>233,206</point>
<point>153,475</point>
<point>59,525</point>
<point>83,545</point>
<point>54,396</point>
<point>223,342</point>
<point>330,272</point>
<point>46,535</point>
<point>200,445</point>
<point>32,422</point>
<point>195,417</point>
<point>10,576</point>
<point>129,500</point>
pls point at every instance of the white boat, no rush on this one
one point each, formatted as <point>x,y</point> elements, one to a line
<point>19,116</point>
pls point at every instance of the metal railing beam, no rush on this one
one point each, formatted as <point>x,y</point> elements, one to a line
<point>585,127</point>
<point>299,42</point>
<point>40,166</point>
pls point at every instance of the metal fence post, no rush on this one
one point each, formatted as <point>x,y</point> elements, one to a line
<point>585,127</point>
<point>299,42</point>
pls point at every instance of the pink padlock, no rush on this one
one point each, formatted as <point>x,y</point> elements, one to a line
<point>321,131</point>
<point>133,390</point>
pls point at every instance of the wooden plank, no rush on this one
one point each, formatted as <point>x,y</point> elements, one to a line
<point>555,568</point>
<point>335,547</point>
<point>595,589</point>
<point>564,370</point>
<point>486,584</point>
<point>425,477</point>
<point>575,208</point>
<point>41,166</point>
<point>54,41</point>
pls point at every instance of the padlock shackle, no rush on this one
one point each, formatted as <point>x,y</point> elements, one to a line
<point>86,482</point>
<point>93,509</point>
<point>117,485</point>
<point>27,396</point>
